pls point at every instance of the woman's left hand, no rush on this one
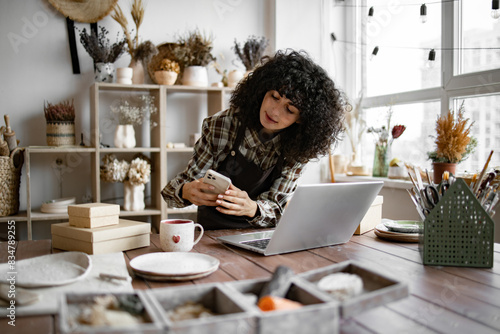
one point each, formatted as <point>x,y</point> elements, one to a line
<point>236,202</point>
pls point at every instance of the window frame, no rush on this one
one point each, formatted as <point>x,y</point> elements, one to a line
<point>452,85</point>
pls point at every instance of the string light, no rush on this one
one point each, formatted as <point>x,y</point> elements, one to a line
<point>432,59</point>
<point>370,14</point>
<point>374,52</point>
<point>495,12</point>
<point>423,13</point>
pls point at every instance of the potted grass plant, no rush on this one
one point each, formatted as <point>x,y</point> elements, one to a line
<point>193,53</point>
<point>454,143</point>
<point>60,120</point>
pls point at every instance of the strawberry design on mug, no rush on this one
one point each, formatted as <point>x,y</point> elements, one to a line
<point>178,235</point>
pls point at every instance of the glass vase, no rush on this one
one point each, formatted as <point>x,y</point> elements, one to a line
<point>381,160</point>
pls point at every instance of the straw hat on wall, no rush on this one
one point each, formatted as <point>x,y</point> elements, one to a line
<point>84,11</point>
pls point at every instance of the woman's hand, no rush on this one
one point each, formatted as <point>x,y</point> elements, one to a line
<point>236,202</point>
<point>198,193</point>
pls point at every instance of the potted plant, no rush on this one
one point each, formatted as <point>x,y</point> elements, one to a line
<point>251,52</point>
<point>102,52</point>
<point>168,72</point>
<point>193,53</point>
<point>60,120</point>
<point>140,52</point>
<point>454,143</point>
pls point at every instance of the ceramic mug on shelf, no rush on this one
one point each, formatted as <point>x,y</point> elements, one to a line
<point>177,235</point>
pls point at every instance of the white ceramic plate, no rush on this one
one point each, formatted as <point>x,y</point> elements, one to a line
<point>402,226</point>
<point>174,263</point>
<point>174,278</point>
<point>47,270</point>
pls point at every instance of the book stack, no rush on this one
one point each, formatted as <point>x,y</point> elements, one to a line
<point>96,228</point>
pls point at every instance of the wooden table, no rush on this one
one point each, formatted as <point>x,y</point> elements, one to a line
<point>442,299</point>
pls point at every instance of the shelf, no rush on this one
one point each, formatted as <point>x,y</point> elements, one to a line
<point>215,101</point>
<point>20,217</point>
<point>180,150</point>
<point>60,149</point>
<point>129,150</point>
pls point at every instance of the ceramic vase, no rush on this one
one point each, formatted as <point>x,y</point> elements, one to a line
<point>165,77</point>
<point>124,75</point>
<point>124,136</point>
<point>133,197</point>
<point>195,76</point>
<point>440,168</point>
<point>233,78</point>
<point>381,160</point>
<point>138,72</point>
<point>104,72</point>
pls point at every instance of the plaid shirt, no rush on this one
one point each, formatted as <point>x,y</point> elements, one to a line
<point>218,135</point>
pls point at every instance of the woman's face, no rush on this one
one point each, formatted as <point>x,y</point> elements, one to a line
<point>277,112</point>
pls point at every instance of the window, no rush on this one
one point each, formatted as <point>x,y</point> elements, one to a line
<point>466,41</point>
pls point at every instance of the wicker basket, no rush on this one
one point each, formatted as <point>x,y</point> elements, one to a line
<point>10,180</point>
<point>458,231</point>
<point>60,133</point>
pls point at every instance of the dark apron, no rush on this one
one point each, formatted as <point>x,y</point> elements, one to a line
<point>247,176</point>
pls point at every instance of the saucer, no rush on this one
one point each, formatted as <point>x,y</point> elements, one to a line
<point>174,264</point>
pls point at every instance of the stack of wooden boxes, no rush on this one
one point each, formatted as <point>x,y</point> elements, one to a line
<point>95,228</point>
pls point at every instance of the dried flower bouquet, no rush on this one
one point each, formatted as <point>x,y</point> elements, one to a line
<point>60,112</point>
<point>454,142</point>
<point>251,52</point>
<point>99,48</point>
<point>136,172</point>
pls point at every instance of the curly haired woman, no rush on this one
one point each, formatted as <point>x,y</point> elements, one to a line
<point>284,114</point>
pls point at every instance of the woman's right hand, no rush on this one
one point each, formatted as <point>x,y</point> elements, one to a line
<point>199,193</point>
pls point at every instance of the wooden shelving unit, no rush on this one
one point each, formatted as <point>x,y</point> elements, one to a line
<point>158,152</point>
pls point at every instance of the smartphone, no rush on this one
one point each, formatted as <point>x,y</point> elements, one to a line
<point>219,181</point>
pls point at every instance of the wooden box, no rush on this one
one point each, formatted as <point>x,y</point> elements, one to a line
<point>126,235</point>
<point>230,317</point>
<point>373,216</point>
<point>317,315</point>
<point>91,215</point>
<point>71,303</point>
<point>378,289</point>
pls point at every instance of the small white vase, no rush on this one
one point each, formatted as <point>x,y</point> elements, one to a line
<point>104,72</point>
<point>125,136</point>
<point>133,197</point>
<point>195,76</point>
<point>233,78</point>
<point>124,75</point>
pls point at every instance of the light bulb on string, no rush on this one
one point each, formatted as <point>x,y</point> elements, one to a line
<point>370,14</point>
<point>495,11</point>
<point>374,52</point>
<point>423,13</point>
<point>431,60</point>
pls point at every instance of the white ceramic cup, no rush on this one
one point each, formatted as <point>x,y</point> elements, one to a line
<point>177,235</point>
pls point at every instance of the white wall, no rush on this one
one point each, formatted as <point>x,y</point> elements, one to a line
<point>35,64</point>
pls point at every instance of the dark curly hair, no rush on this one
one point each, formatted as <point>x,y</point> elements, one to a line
<point>295,76</point>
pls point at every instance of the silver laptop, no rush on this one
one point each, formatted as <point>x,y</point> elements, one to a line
<point>317,215</point>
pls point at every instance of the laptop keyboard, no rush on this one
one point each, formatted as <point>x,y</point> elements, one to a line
<point>259,243</point>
